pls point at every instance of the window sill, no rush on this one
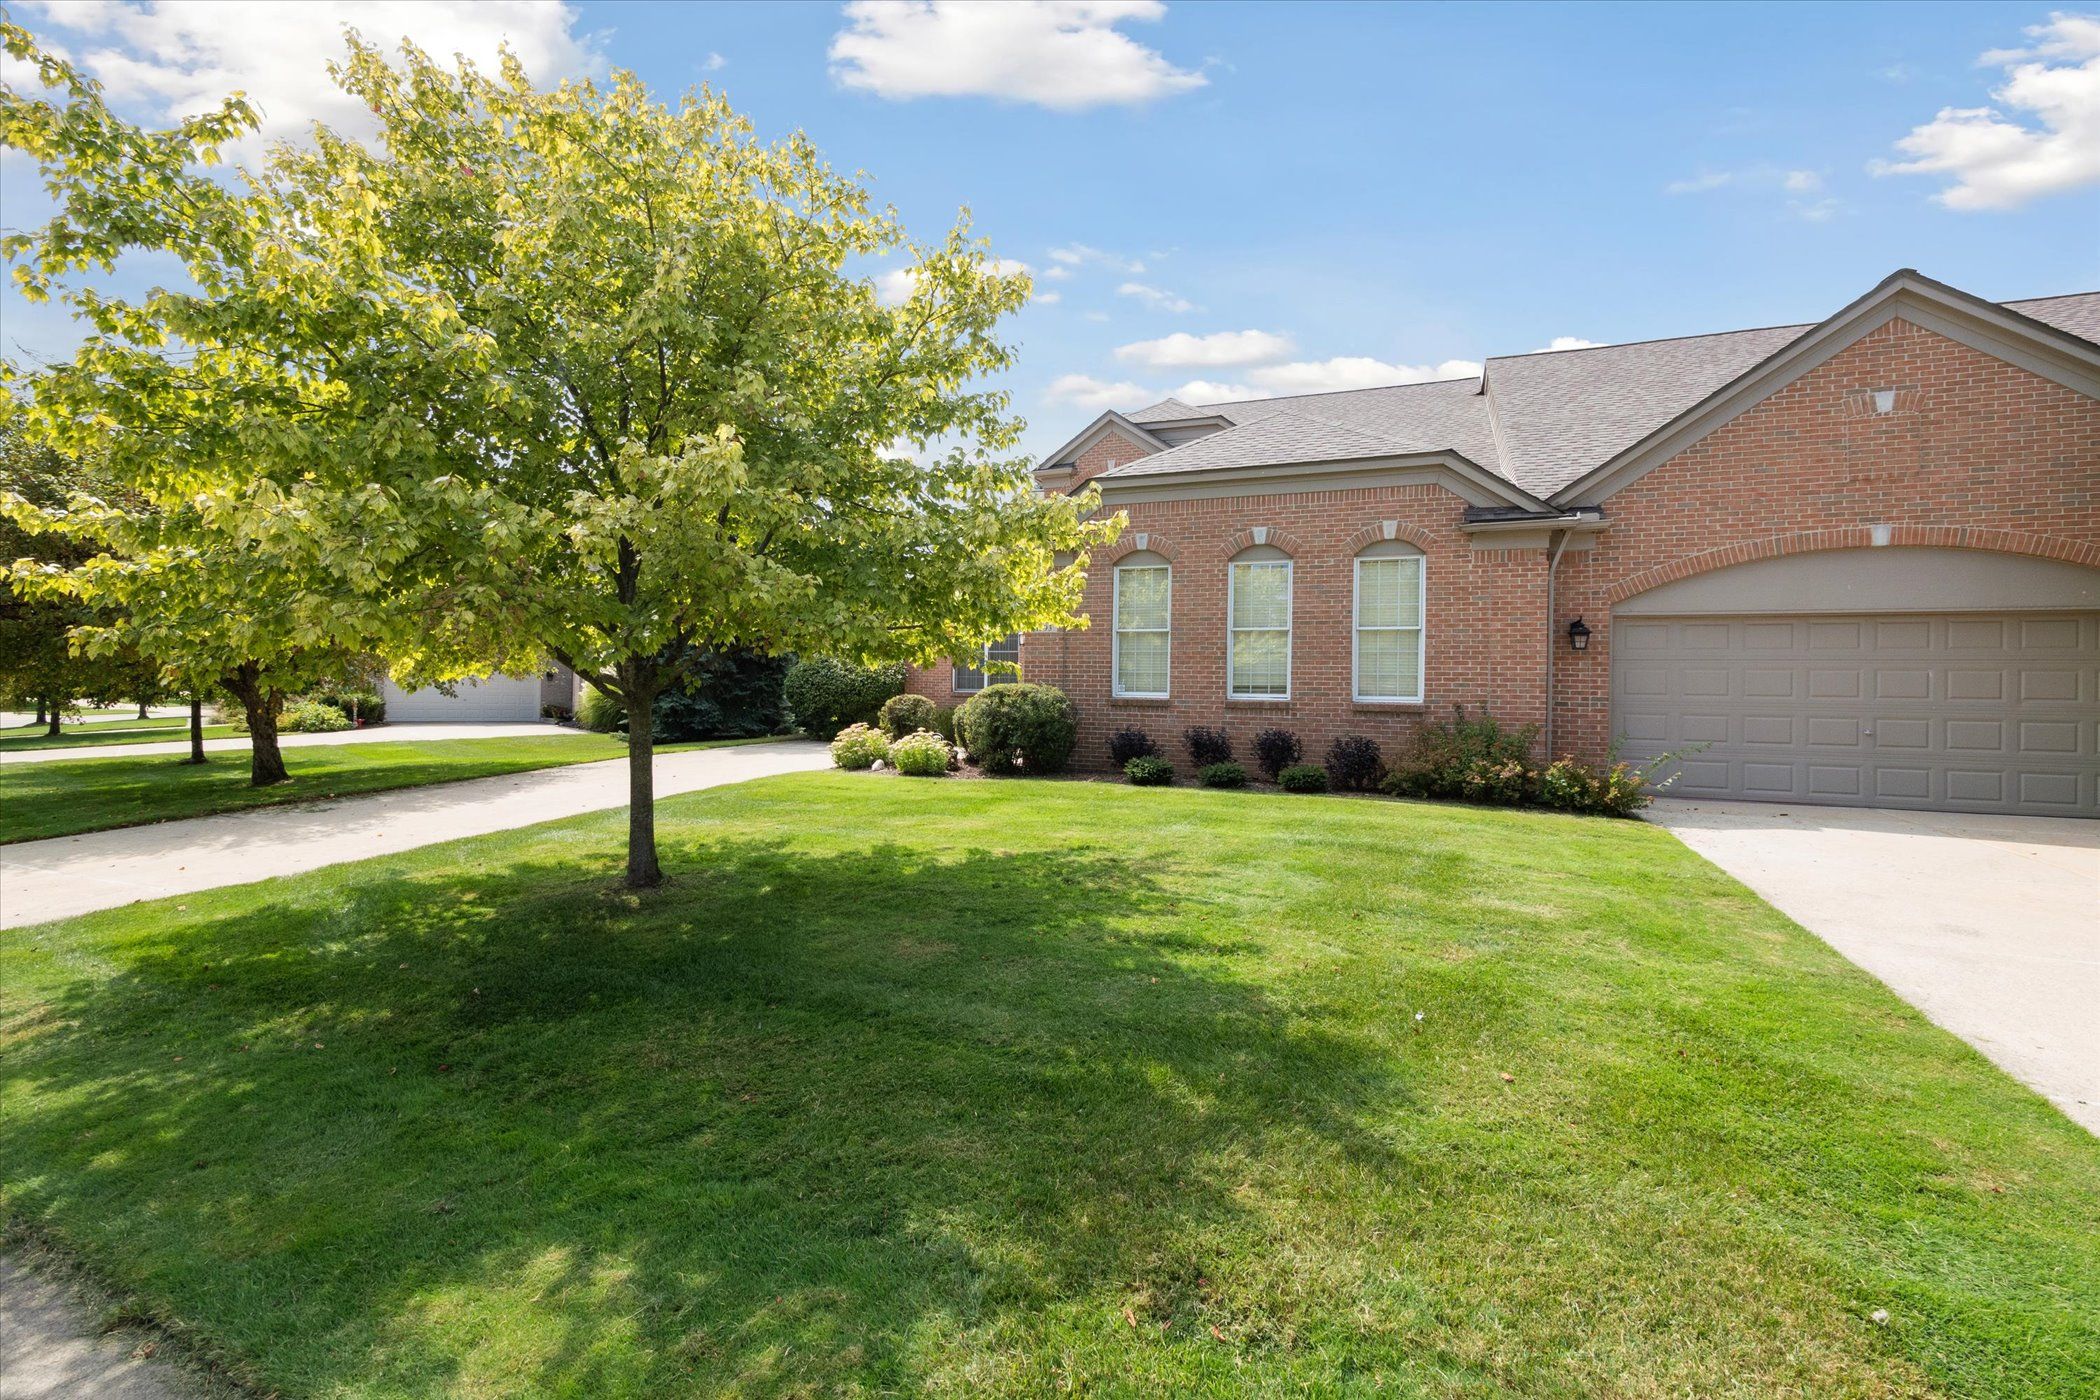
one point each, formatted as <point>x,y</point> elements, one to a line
<point>1142,702</point>
<point>1260,702</point>
<point>1389,706</point>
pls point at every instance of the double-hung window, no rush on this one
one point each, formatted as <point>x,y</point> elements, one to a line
<point>999,664</point>
<point>1143,642</point>
<point>1389,627</point>
<point>1259,612</point>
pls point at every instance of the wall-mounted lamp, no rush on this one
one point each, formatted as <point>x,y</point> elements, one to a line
<point>1579,635</point>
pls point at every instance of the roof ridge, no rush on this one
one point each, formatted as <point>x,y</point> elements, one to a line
<point>2055,296</point>
<point>1657,340</point>
<point>1335,393</point>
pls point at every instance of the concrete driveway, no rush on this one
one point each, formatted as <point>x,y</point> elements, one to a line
<point>70,875</point>
<point>1989,925</point>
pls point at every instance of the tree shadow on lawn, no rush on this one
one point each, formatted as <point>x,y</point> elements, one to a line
<point>799,1120</point>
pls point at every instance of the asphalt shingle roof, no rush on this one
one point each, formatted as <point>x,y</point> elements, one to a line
<point>1543,421</point>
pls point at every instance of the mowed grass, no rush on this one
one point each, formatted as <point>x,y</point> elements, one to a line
<point>63,798</point>
<point>1006,1088</point>
<point>158,730</point>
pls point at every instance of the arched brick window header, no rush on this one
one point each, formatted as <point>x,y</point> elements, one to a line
<point>1857,537</point>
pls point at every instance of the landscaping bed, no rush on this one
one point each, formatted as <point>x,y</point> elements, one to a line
<point>1013,1088</point>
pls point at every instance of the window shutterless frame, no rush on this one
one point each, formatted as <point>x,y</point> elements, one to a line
<point>969,680</point>
<point>1233,630</point>
<point>1420,628</point>
<point>1117,629</point>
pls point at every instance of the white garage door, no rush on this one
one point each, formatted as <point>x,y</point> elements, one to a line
<point>1962,712</point>
<point>493,699</point>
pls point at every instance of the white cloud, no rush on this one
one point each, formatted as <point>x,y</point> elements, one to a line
<point>1157,298</point>
<point>1076,255</point>
<point>1085,391</point>
<point>1198,391</point>
<point>1048,298</point>
<point>1567,342</point>
<point>1701,183</point>
<point>1801,181</point>
<point>1097,315</point>
<point>1063,54</point>
<point>1184,351</point>
<point>894,288</point>
<point>1352,372</point>
<point>170,60</point>
<point>1799,188</point>
<point>713,63</point>
<point>2050,143</point>
<point>1056,273</point>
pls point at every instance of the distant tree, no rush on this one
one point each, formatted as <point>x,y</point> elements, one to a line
<point>560,372</point>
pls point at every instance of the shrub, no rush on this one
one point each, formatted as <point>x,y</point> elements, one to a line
<point>826,696</point>
<point>355,702</point>
<point>1354,763</point>
<point>311,717</point>
<point>1303,777</point>
<point>600,713</point>
<point>1019,728</point>
<point>1126,744</point>
<point>1222,775</point>
<point>944,722</point>
<point>723,695</point>
<point>1149,770</point>
<point>922,754</point>
<point>906,714</point>
<point>1276,750</point>
<point>1441,756</point>
<point>559,713</point>
<point>1207,746</point>
<point>857,746</point>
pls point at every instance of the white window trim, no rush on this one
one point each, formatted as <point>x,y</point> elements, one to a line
<point>983,668</point>
<point>1356,602</point>
<point>1290,627</point>
<point>1115,637</point>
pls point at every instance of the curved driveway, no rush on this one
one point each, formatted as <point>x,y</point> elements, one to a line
<point>70,875</point>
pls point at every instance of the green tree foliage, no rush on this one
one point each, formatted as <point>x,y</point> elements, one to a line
<point>563,372</point>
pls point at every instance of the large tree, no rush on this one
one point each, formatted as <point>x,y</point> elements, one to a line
<point>563,372</point>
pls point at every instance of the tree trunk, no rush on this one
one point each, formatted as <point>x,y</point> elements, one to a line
<point>55,710</point>
<point>40,712</point>
<point>142,711</point>
<point>260,703</point>
<point>643,872</point>
<point>196,727</point>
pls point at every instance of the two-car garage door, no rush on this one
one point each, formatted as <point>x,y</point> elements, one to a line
<point>1983,711</point>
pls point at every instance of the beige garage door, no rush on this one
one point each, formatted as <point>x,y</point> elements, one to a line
<point>1961,712</point>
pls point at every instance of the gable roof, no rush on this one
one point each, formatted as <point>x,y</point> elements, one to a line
<point>1551,422</point>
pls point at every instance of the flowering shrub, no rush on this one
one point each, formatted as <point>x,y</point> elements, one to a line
<point>1222,775</point>
<point>1443,754</point>
<point>859,746</point>
<point>1276,750</point>
<point>312,717</point>
<point>1126,744</point>
<point>1149,770</point>
<point>1207,746</point>
<point>1303,777</point>
<point>1506,782</point>
<point>923,754</point>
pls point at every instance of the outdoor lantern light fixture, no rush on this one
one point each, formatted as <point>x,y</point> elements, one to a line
<point>1578,635</point>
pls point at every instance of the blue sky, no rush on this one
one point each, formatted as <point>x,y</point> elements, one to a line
<point>1372,192</point>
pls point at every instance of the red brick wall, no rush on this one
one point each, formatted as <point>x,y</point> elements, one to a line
<point>1113,450</point>
<point>1978,454</point>
<point>1484,618</point>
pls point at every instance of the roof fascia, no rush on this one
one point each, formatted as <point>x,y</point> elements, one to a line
<point>1479,485</point>
<point>1982,325</point>
<point>1092,433</point>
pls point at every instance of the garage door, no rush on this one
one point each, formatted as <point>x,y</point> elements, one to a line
<point>1962,711</point>
<point>496,698</point>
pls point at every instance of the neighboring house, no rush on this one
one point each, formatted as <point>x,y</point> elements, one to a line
<point>1855,562</point>
<point>486,700</point>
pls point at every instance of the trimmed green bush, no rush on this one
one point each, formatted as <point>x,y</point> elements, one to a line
<point>600,713</point>
<point>906,714</point>
<point>1019,729</point>
<point>356,702</point>
<point>1222,775</point>
<point>1303,777</point>
<point>723,695</point>
<point>311,717</point>
<point>922,754</point>
<point>1149,770</point>
<point>826,696</point>
<point>944,722</point>
<point>858,746</point>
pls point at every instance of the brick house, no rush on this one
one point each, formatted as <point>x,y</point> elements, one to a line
<point>1855,562</point>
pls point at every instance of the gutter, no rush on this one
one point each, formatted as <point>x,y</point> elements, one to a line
<point>1560,545</point>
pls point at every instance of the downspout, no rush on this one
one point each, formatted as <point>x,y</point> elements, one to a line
<point>1560,543</point>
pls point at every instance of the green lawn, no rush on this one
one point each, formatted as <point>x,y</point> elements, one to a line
<point>976,1088</point>
<point>63,798</point>
<point>159,730</point>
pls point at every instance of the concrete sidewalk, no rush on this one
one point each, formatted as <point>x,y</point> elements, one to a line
<point>377,734</point>
<point>52,1349</point>
<point>68,875</point>
<point>1988,925</point>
